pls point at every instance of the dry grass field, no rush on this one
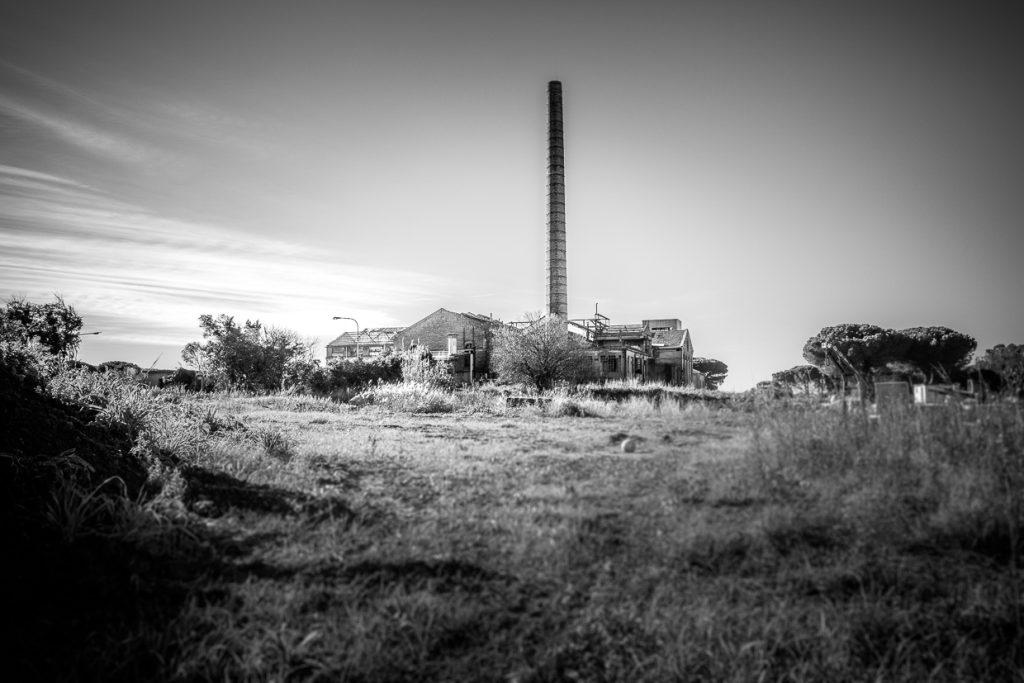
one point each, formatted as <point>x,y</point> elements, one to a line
<point>382,546</point>
<point>299,539</point>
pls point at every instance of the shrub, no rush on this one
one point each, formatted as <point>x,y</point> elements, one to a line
<point>408,397</point>
<point>54,326</point>
<point>352,374</point>
<point>21,363</point>
<point>190,380</point>
<point>542,354</point>
<point>419,367</point>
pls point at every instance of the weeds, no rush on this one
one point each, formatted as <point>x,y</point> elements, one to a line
<point>73,511</point>
<point>915,474</point>
<point>760,543</point>
<point>273,442</point>
<point>934,494</point>
<point>407,397</point>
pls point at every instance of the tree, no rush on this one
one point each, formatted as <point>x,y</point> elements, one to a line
<point>541,354</point>
<point>714,371</point>
<point>938,351</point>
<point>54,326</point>
<point>121,366</point>
<point>855,349</point>
<point>1007,360</point>
<point>804,376</point>
<point>248,357</point>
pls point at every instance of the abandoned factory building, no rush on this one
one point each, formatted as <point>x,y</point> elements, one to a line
<point>655,350</point>
<point>465,339</point>
<point>651,351</point>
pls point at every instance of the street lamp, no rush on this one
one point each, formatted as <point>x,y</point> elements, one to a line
<point>342,317</point>
<point>82,334</point>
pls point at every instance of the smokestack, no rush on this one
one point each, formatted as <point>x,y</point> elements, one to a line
<point>556,281</point>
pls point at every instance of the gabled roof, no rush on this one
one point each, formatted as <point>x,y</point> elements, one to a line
<point>672,339</point>
<point>373,335</point>
<point>344,339</point>
<point>381,334</point>
<point>475,317</point>
<point>482,318</point>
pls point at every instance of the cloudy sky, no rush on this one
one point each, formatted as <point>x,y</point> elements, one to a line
<point>758,170</point>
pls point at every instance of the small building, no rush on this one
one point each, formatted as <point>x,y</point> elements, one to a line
<point>655,350</point>
<point>622,352</point>
<point>673,357</point>
<point>370,343</point>
<point>456,336</point>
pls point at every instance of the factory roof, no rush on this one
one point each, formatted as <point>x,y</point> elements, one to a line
<point>372,335</point>
<point>671,338</point>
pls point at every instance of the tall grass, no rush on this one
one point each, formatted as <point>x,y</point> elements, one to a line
<point>824,547</point>
<point>907,526</point>
<point>934,475</point>
<point>104,543</point>
<point>408,397</point>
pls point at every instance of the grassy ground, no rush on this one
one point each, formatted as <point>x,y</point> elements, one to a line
<point>466,547</point>
<point>303,540</point>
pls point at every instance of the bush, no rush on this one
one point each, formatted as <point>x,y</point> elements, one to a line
<point>187,379</point>
<point>407,397</point>
<point>419,367</point>
<point>344,377</point>
<point>26,364</point>
<point>426,386</point>
<point>124,367</point>
<point>542,354</point>
<point>653,392</point>
<point>54,326</point>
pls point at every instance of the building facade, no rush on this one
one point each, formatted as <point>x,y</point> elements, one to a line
<point>658,350</point>
<point>466,339</point>
<point>673,358</point>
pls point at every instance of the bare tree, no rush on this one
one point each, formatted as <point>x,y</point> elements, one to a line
<point>541,354</point>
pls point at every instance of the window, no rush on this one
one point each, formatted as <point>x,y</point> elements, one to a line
<point>610,363</point>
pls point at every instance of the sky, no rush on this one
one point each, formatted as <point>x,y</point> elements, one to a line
<point>757,170</point>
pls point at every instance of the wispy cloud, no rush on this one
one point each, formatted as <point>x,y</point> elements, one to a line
<point>151,128</point>
<point>84,136</point>
<point>156,274</point>
<point>61,90</point>
<point>209,126</point>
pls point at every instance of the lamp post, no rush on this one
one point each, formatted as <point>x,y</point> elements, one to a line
<point>342,317</point>
<point>82,334</point>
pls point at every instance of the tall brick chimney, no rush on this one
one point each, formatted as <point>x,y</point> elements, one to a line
<point>556,278</point>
